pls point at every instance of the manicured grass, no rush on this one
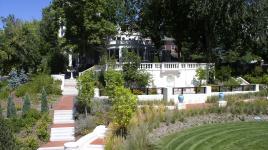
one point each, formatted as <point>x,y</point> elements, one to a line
<point>228,136</point>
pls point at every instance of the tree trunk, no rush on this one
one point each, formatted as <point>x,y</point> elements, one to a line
<point>86,110</point>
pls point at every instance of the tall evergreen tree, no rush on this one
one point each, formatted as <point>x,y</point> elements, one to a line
<point>26,104</point>
<point>11,109</point>
<point>44,101</point>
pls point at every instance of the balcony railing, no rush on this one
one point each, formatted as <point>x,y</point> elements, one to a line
<point>166,66</point>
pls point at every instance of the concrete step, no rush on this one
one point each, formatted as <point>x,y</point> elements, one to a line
<point>51,148</point>
<point>62,111</point>
<point>63,138</point>
<point>63,129</point>
<point>70,93</point>
<point>63,114</point>
<point>65,118</point>
<point>62,121</point>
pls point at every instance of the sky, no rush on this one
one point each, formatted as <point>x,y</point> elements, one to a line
<point>26,10</point>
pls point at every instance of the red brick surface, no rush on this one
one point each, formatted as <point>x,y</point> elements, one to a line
<point>55,144</point>
<point>98,141</point>
<point>65,103</point>
<point>62,125</point>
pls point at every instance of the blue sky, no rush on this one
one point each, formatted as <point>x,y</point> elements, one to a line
<point>23,9</point>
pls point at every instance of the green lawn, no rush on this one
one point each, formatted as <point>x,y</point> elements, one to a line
<point>228,136</point>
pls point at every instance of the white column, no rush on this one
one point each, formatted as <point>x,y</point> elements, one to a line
<point>120,54</point>
<point>257,89</point>
<point>70,60</point>
<point>71,64</point>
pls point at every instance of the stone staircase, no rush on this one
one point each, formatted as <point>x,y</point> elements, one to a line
<point>63,128</point>
<point>70,87</point>
<point>63,116</point>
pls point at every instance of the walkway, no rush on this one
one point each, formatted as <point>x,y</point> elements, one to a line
<point>62,129</point>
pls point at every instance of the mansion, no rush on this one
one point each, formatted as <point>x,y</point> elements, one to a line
<point>143,47</point>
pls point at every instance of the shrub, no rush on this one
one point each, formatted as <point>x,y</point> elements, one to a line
<point>86,83</point>
<point>223,73</point>
<point>7,140</point>
<point>124,105</point>
<point>112,80</point>
<point>11,109</point>
<point>31,117</point>
<point>137,138</point>
<point>28,143</point>
<point>37,83</point>
<point>4,90</point>
<point>26,104</point>
<point>44,101</point>
<point>85,125</point>
<point>42,127</point>
<point>23,77</point>
<point>14,80</point>
<point>32,143</point>
<point>201,75</point>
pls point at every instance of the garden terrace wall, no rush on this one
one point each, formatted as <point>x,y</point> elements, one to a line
<point>192,95</point>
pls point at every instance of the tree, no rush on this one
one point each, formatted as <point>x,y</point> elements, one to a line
<point>86,84</point>
<point>23,77</point>
<point>20,45</point>
<point>124,106</point>
<point>44,101</point>
<point>131,73</point>
<point>7,139</point>
<point>151,21</point>
<point>88,24</point>
<point>201,75</point>
<point>14,80</point>
<point>223,73</point>
<point>26,104</point>
<point>11,109</point>
<point>112,80</point>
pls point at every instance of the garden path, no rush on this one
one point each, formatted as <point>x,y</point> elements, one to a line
<point>62,129</point>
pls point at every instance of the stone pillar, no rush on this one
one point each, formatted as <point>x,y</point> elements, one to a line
<point>257,87</point>
<point>120,54</point>
<point>70,60</point>
<point>96,92</point>
<point>71,65</point>
<point>208,92</point>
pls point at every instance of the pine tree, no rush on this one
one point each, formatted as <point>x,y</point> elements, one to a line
<point>44,101</point>
<point>11,109</point>
<point>26,104</point>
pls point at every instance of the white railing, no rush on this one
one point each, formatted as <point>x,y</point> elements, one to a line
<point>84,142</point>
<point>155,66</point>
<point>166,66</point>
